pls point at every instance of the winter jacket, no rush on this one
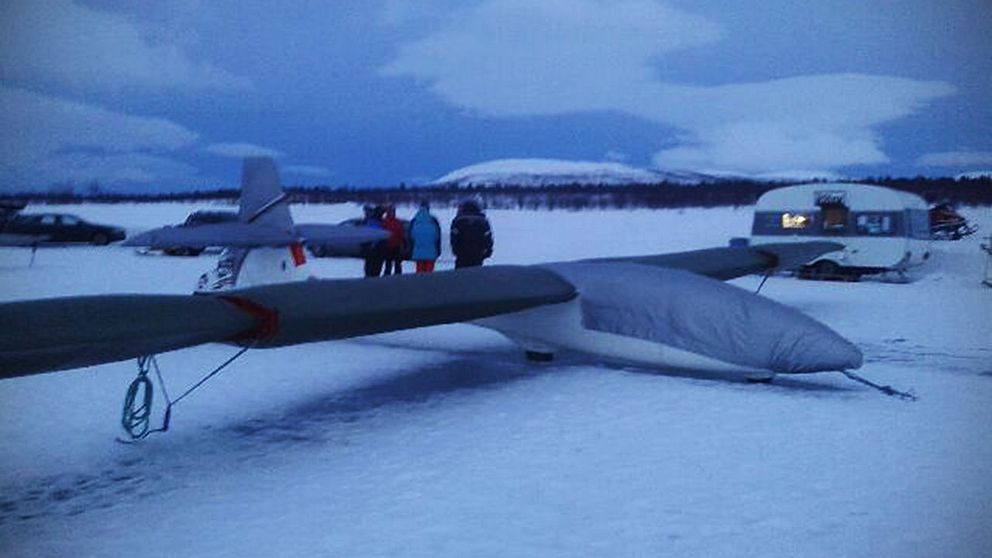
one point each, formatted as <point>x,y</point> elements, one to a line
<point>425,233</point>
<point>471,235</point>
<point>397,236</point>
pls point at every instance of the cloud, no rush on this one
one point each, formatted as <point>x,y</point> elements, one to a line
<point>521,58</point>
<point>818,122</point>
<point>36,125</point>
<point>614,156</point>
<point>956,159</point>
<point>45,139</point>
<point>242,150</point>
<point>114,169</point>
<point>58,42</point>
<point>516,58</point>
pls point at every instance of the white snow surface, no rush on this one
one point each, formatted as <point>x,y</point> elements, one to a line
<point>443,441</point>
<point>557,172</point>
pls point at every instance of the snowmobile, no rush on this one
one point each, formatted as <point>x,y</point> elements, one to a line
<point>947,224</point>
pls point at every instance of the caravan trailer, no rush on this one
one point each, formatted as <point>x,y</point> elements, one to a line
<point>882,229</point>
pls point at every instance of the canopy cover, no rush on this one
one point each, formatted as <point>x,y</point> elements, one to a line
<point>706,317</point>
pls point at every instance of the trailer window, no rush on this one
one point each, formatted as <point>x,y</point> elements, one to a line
<point>796,221</point>
<point>874,224</point>
<point>834,218</point>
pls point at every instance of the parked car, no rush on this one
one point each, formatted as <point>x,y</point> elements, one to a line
<point>196,219</point>
<point>60,228</point>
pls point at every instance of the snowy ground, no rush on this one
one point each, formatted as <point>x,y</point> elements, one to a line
<point>444,442</point>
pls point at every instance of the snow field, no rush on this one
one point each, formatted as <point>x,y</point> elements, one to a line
<point>445,442</point>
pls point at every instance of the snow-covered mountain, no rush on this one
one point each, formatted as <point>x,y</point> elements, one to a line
<point>973,175</point>
<point>557,172</point>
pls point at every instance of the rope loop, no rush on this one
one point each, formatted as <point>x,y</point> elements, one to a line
<point>137,411</point>
<point>136,415</point>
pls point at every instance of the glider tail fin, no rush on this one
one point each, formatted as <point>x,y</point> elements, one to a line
<point>263,200</point>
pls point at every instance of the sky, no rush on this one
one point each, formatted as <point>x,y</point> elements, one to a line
<point>168,96</point>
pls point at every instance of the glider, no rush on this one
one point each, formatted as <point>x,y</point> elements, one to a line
<point>264,223</point>
<point>670,311</point>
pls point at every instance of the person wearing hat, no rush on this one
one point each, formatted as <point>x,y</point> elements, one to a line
<point>471,236</point>
<point>425,235</point>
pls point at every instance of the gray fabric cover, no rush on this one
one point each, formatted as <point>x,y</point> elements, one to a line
<point>54,334</point>
<point>59,333</point>
<point>706,317</point>
<point>728,263</point>
<point>335,309</point>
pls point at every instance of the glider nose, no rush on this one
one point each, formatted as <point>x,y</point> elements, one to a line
<point>819,348</point>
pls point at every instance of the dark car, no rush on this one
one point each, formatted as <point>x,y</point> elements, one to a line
<point>196,219</point>
<point>60,227</point>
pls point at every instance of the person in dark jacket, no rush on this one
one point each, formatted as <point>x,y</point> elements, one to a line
<point>395,244</point>
<point>425,236</point>
<point>374,252</point>
<point>471,236</point>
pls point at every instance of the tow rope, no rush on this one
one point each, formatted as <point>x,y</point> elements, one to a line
<point>763,280</point>
<point>887,390</point>
<point>136,414</point>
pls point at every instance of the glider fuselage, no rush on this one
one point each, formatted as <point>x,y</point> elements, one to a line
<point>551,329</point>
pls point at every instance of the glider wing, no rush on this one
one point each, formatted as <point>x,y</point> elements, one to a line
<point>339,236</point>
<point>222,234</point>
<point>70,332</point>
<point>728,263</point>
<point>61,333</point>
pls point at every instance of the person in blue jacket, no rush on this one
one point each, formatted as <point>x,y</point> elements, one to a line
<point>425,235</point>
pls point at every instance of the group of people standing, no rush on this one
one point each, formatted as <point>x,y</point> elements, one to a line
<point>420,241</point>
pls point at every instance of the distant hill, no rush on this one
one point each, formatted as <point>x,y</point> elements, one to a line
<point>974,175</point>
<point>555,184</point>
<point>557,172</point>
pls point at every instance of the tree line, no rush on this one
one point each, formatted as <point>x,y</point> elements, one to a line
<point>968,192</point>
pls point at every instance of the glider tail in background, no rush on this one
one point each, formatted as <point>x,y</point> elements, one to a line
<point>265,246</point>
<point>263,200</point>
